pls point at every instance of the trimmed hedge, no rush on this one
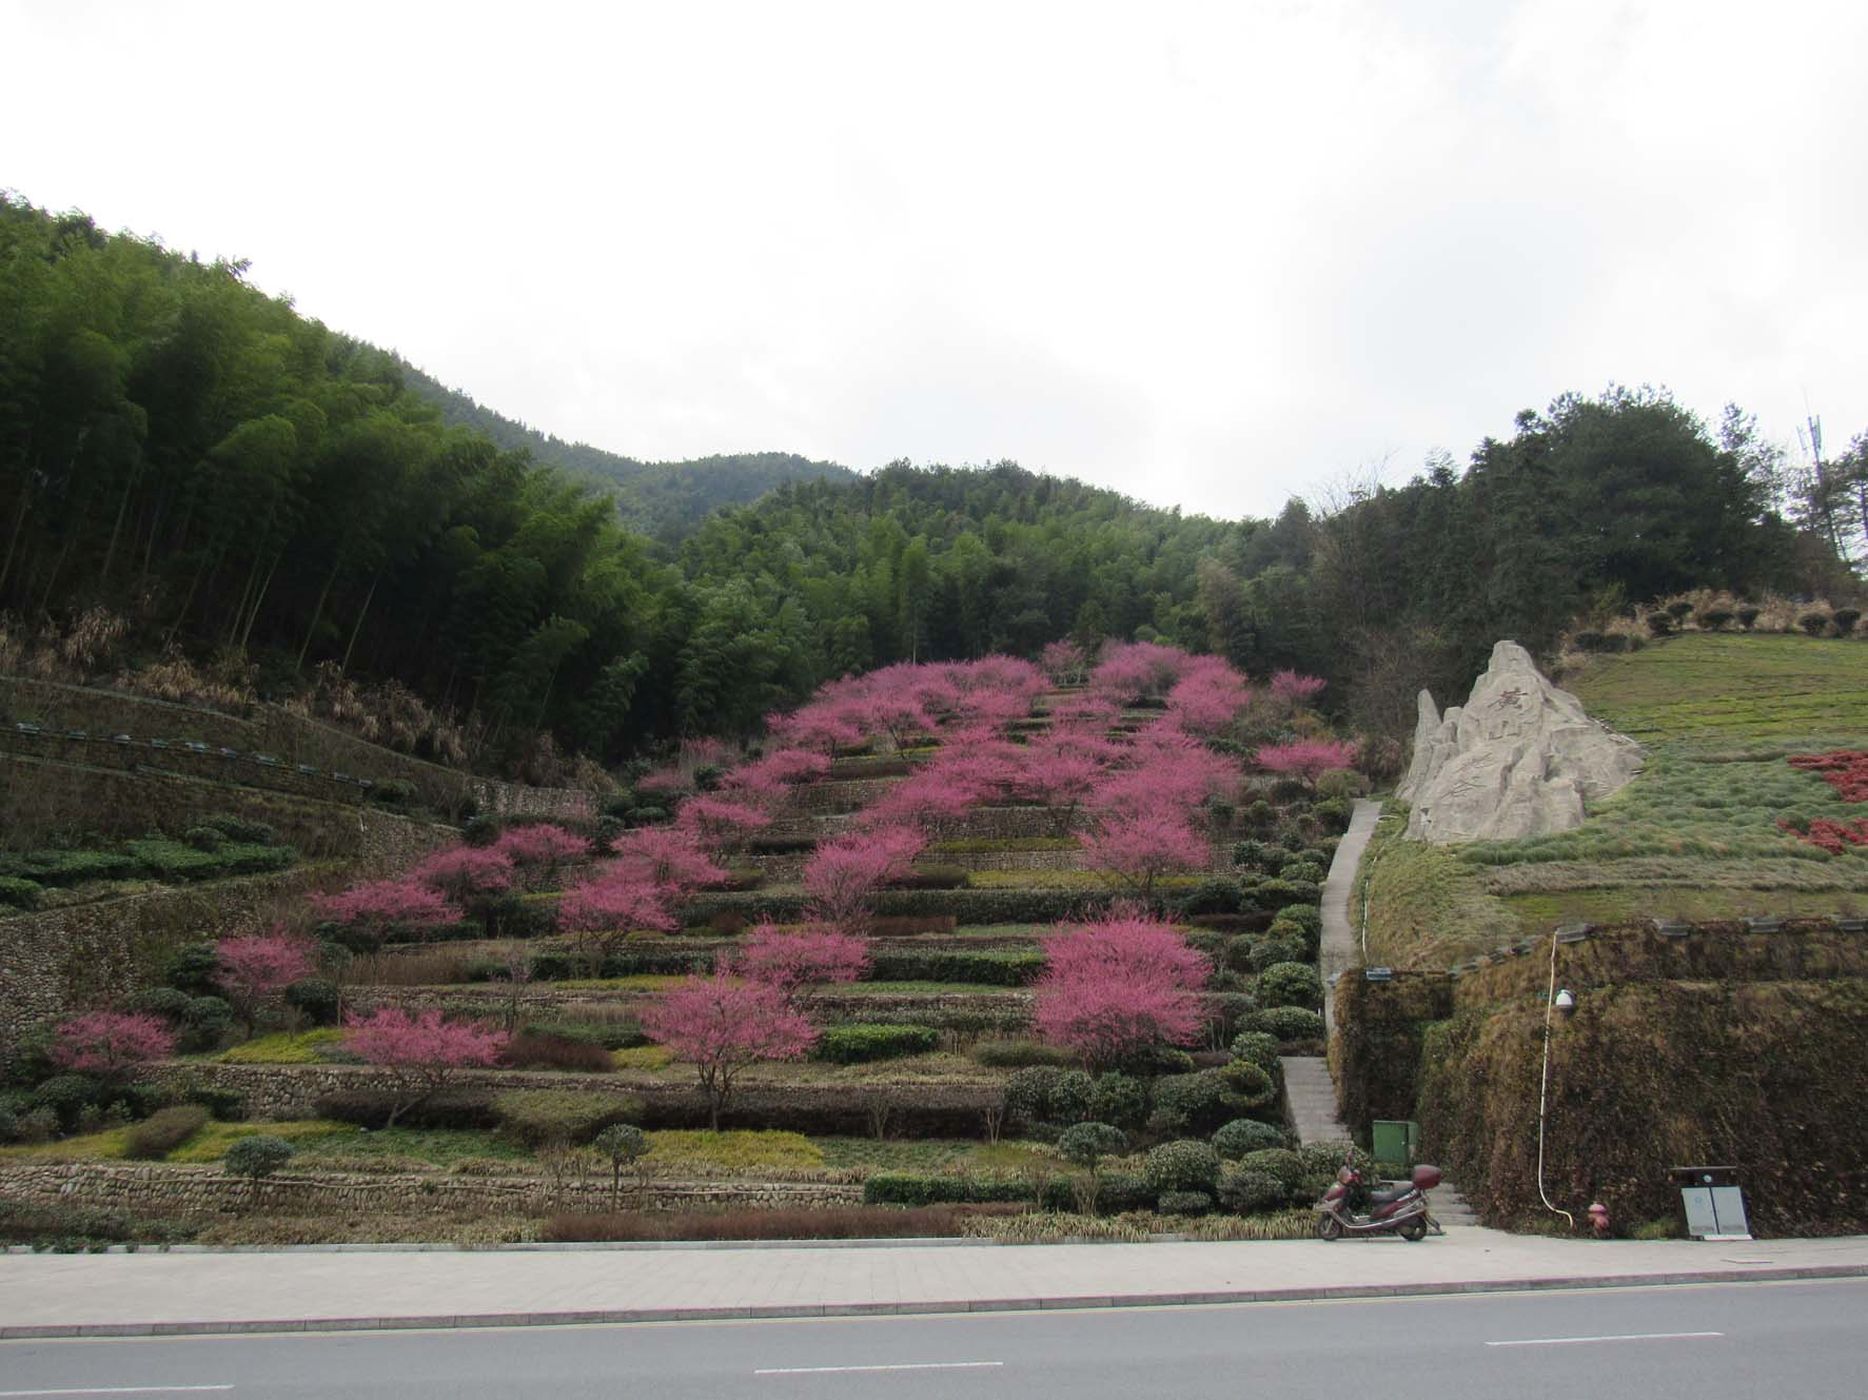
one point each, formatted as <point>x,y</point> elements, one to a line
<point>1290,984</point>
<point>164,1131</point>
<point>1243,1136</point>
<point>1287,1023</point>
<point>17,892</point>
<point>920,1189</point>
<point>994,969</point>
<point>1185,1165</point>
<point>542,1116</point>
<point>969,906</point>
<point>860,1042</point>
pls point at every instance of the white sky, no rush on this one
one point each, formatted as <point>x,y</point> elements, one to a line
<point>1211,255</point>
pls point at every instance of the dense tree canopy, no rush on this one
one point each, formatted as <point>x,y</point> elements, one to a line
<point>241,482</point>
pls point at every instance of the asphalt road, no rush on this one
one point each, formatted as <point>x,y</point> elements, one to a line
<point>1703,1342</point>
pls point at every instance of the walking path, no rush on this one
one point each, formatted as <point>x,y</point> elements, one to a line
<point>1312,1097</point>
<point>1340,950</point>
<point>310,1290</point>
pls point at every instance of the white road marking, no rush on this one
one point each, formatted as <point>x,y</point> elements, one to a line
<point>1619,1337</point>
<point>120,1390</point>
<point>902,1366</point>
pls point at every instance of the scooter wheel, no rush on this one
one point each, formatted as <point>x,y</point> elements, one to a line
<point>1329,1228</point>
<point>1415,1230</point>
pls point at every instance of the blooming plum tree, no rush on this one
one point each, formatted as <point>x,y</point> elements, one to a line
<point>1306,758</point>
<point>1114,987</point>
<point>1208,696</point>
<point>462,872</point>
<point>766,781</point>
<point>720,1025</point>
<point>420,1052</point>
<point>1060,777</point>
<point>110,1043</point>
<point>664,856</point>
<point>842,876</point>
<point>1064,662</point>
<point>1137,849</point>
<point>794,960</point>
<point>254,969</point>
<point>1294,689</point>
<point>719,823</point>
<point>381,905</point>
<point>542,847</point>
<point>599,914</point>
<point>1133,671</point>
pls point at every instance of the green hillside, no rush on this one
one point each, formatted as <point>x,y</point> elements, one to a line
<point>665,499</point>
<point>1696,836</point>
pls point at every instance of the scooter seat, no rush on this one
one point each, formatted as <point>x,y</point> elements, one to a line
<point>1393,1193</point>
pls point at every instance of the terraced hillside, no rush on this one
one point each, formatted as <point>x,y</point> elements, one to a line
<point>950,920</point>
<point>1714,828</point>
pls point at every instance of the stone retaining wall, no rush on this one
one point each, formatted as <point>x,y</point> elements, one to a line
<point>195,1193</point>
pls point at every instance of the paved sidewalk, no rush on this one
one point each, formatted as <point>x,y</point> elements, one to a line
<point>143,1293</point>
<point>1339,947</point>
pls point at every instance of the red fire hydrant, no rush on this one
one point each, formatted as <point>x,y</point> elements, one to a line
<point>1599,1220</point>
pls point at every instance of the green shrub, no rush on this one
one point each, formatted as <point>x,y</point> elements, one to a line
<point>1715,619</point>
<point>1120,1099</point>
<point>1020,1054</point>
<point>164,1131</point>
<point>1268,895</point>
<point>1326,1158</point>
<point>1243,1135</point>
<point>539,1117</point>
<point>921,1189</point>
<point>1185,1165</point>
<point>1748,616</point>
<point>1280,1163</point>
<point>863,1041</point>
<point>1814,624</point>
<point>1044,1098</point>
<point>1086,1144</point>
<point>1256,1048</point>
<point>996,969</point>
<point>1184,1203</point>
<point>1845,620</point>
<point>1333,815</point>
<point>1117,1192</point>
<point>170,1003</point>
<point>1216,896</point>
<point>392,792</point>
<point>17,892</point>
<point>68,1096</point>
<point>1248,1192</point>
<point>1290,984</point>
<point>933,877</point>
<point>205,1023</point>
<point>63,868</point>
<point>1660,624</point>
<point>1342,783</point>
<point>242,830</point>
<point>1268,952</point>
<point>204,838</point>
<point>1200,1102</point>
<point>448,1109</point>
<point>1287,1023</point>
<point>1307,919</point>
<point>258,1156</point>
<point>1303,870</point>
<point>226,1105</point>
<point>316,999</point>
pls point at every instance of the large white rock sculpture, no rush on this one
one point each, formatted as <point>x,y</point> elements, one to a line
<point>1521,758</point>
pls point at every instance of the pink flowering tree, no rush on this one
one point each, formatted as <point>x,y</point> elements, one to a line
<point>1134,671</point>
<point>1293,689</point>
<point>664,856</point>
<point>110,1044</point>
<point>1118,986</point>
<point>825,728</point>
<point>1065,662</point>
<point>931,801</point>
<point>664,782</point>
<point>1137,849</point>
<point>1208,698</point>
<point>721,1025</point>
<point>253,970</point>
<point>1086,712</point>
<point>843,875</point>
<point>1307,759</point>
<point>541,850</point>
<point>371,911</point>
<point>421,1053</point>
<point>798,959</point>
<point>1059,778</point>
<point>462,873</point>
<point>767,781</point>
<point>599,915</point>
<point>719,823</point>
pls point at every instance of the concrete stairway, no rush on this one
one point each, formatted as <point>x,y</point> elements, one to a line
<point>1448,1207</point>
<point>1312,1097</point>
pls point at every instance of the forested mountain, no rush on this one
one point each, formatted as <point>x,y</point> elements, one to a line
<point>663,499</point>
<point>250,489</point>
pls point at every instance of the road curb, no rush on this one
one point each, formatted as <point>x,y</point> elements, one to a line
<point>979,1305</point>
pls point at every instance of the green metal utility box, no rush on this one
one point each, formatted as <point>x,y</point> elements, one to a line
<point>1393,1143</point>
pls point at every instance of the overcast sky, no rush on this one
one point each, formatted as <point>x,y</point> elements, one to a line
<point>1212,255</point>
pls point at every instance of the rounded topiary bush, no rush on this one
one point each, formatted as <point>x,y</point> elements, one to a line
<point>1326,1158</point>
<point>1201,1101</point>
<point>1268,952</point>
<point>1660,623</point>
<point>1715,619</point>
<point>1845,620</point>
<point>1303,870</point>
<point>1244,1135</point>
<point>1184,1203</point>
<point>1045,1098</point>
<point>1120,1099</point>
<point>1287,1023</point>
<point>1307,919</point>
<point>1120,1191</point>
<point>1814,624</point>
<point>1086,1144</point>
<point>1185,1165</point>
<point>1280,1163</point>
<point>258,1156</point>
<point>316,999</point>
<point>68,1096</point>
<point>1247,1192</point>
<point>204,838</point>
<point>1256,1048</point>
<point>1290,984</point>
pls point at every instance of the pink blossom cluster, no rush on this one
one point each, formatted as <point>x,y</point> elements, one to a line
<point>1208,696</point>
<point>385,903</point>
<point>463,872</point>
<point>1294,689</point>
<point>907,702</point>
<point>719,823</point>
<point>1065,662</point>
<point>721,1024</point>
<point>110,1043</point>
<point>766,781</point>
<point>1307,759</point>
<point>668,857</point>
<point>253,969</point>
<point>793,959</point>
<point>1131,671</point>
<point>541,844</point>
<point>843,875</point>
<point>1119,985</point>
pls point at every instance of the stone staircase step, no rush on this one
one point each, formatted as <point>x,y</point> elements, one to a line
<point>1312,1097</point>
